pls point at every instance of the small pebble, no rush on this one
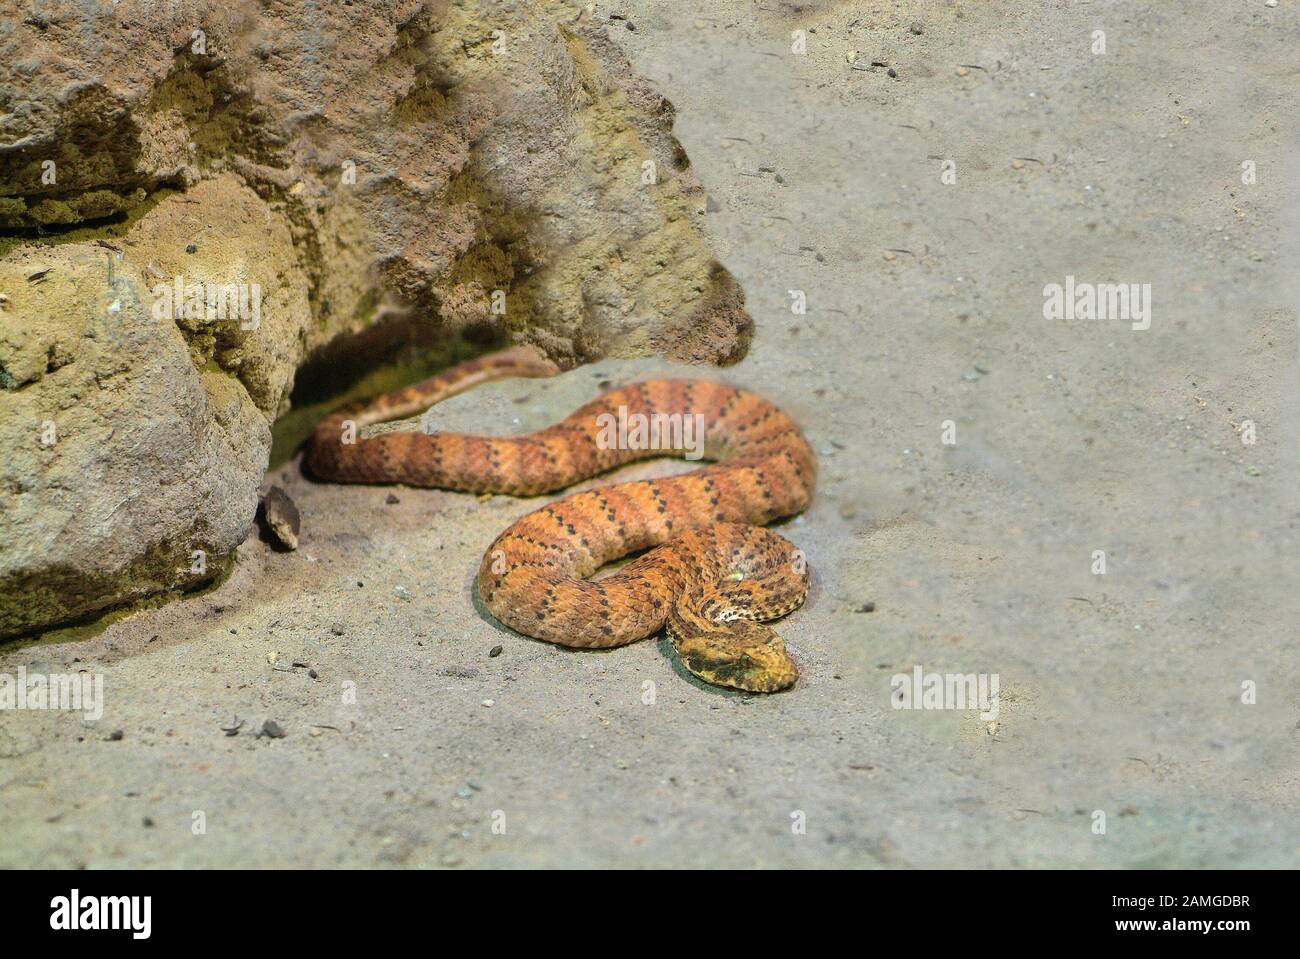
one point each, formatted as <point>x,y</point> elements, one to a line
<point>116,735</point>
<point>489,703</point>
<point>892,72</point>
<point>273,730</point>
<point>192,248</point>
<point>391,499</point>
<point>147,822</point>
<point>867,607</point>
<point>916,28</point>
<point>281,517</point>
<point>494,652</point>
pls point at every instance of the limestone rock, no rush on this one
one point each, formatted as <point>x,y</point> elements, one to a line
<point>127,470</point>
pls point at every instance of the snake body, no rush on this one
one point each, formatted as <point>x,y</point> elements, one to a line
<point>711,574</point>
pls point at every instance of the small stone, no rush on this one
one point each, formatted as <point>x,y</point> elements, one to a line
<point>192,248</point>
<point>336,629</point>
<point>915,28</point>
<point>313,674</point>
<point>391,499</point>
<point>281,517</point>
<point>116,736</point>
<point>147,822</point>
<point>867,607</point>
<point>891,72</point>
<point>403,592</point>
<point>489,703</point>
<point>962,71</point>
<point>495,651</point>
<point>1017,164</point>
<point>273,730</point>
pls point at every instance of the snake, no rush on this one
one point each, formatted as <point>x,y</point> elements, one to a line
<point>702,566</point>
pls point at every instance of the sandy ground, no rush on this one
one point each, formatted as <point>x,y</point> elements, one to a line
<point>1121,693</point>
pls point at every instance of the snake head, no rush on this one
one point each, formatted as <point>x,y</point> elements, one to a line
<point>740,654</point>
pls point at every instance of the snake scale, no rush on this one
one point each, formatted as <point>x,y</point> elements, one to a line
<point>710,573</point>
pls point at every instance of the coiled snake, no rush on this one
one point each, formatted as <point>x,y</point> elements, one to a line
<point>711,575</point>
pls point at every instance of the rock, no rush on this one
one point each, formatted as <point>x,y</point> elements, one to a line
<point>342,206</point>
<point>128,469</point>
<point>281,517</point>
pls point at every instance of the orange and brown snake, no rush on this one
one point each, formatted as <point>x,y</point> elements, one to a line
<point>711,573</point>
